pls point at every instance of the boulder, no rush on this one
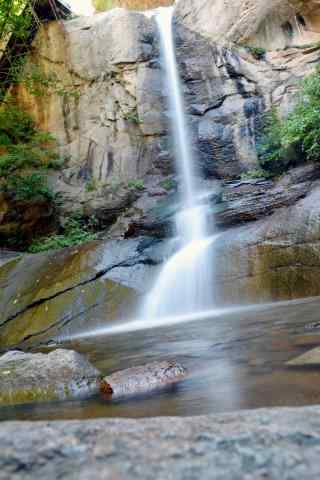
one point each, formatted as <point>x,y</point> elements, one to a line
<point>141,380</point>
<point>34,377</point>
<point>280,443</point>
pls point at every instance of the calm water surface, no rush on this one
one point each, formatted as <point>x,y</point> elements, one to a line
<point>236,361</point>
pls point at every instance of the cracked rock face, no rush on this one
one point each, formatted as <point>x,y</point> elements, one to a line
<point>59,375</point>
<point>106,109</point>
<point>47,295</point>
<point>273,24</point>
<point>227,93</point>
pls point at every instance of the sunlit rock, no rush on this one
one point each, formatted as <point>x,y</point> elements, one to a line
<point>51,295</point>
<point>272,24</point>
<point>59,375</point>
<point>142,380</point>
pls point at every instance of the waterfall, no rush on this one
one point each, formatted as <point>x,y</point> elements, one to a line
<point>185,284</point>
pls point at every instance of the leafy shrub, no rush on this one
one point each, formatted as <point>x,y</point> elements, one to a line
<point>15,125</point>
<point>255,173</point>
<point>91,186</point>
<point>74,233</point>
<point>29,186</point>
<point>25,153</point>
<point>137,184</point>
<point>168,184</point>
<point>257,52</point>
<point>296,139</point>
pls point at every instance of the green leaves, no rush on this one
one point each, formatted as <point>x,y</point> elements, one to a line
<point>25,155</point>
<point>295,139</point>
<point>15,16</point>
<point>74,233</point>
<point>29,187</point>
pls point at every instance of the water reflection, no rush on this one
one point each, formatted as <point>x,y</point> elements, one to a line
<point>235,361</point>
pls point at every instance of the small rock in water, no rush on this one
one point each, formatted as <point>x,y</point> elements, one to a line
<point>32,377</point>
<point>140,380</point>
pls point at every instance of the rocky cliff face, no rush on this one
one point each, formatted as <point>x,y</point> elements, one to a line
<point>105,108</point>
<point>228,91</point>
<point>114,130</point>
<point>273,24</point>
<point>108,107</point>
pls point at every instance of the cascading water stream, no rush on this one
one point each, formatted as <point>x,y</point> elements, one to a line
<point>185,283</point>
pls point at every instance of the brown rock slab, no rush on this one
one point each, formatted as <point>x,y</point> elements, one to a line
<point>140,380</point>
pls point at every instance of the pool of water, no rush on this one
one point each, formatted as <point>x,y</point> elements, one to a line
<point>234,361</point>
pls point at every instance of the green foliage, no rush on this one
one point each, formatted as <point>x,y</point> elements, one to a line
<point>132,117</point>
<point>295,139</point>
<point>11,19</point>
<point>17,18</point>
<point>258,52</point>
<point>255,173</point>
<point>25,154</point>
<point>21,144</point>
<point>91,186</point>
<point>28,187</point>
<point>40,84</point>
<point>136,184</point>
<point>74,233</point>
<point>168,184</point>
<point>15,125</point>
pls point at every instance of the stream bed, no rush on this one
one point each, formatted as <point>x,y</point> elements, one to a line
<point>235,361</point>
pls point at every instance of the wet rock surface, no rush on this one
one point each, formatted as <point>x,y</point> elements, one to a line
<point>240,201</point>
<point>274,444</point>
<point>45,295</point>
<point>275,258</point>
<point>140,380</point>
<point>35,377</point>
<point>248,200</point>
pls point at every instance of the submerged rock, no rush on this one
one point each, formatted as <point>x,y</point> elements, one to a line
<point>34,377</point>
<point>141,380</point>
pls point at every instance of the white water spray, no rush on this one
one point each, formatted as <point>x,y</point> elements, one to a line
<point>185,284</point>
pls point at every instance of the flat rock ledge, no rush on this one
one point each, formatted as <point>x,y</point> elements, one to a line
<point>262,444</point>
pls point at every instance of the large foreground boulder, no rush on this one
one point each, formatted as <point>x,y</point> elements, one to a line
<point>59,375</point>
<point>265,444</point>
